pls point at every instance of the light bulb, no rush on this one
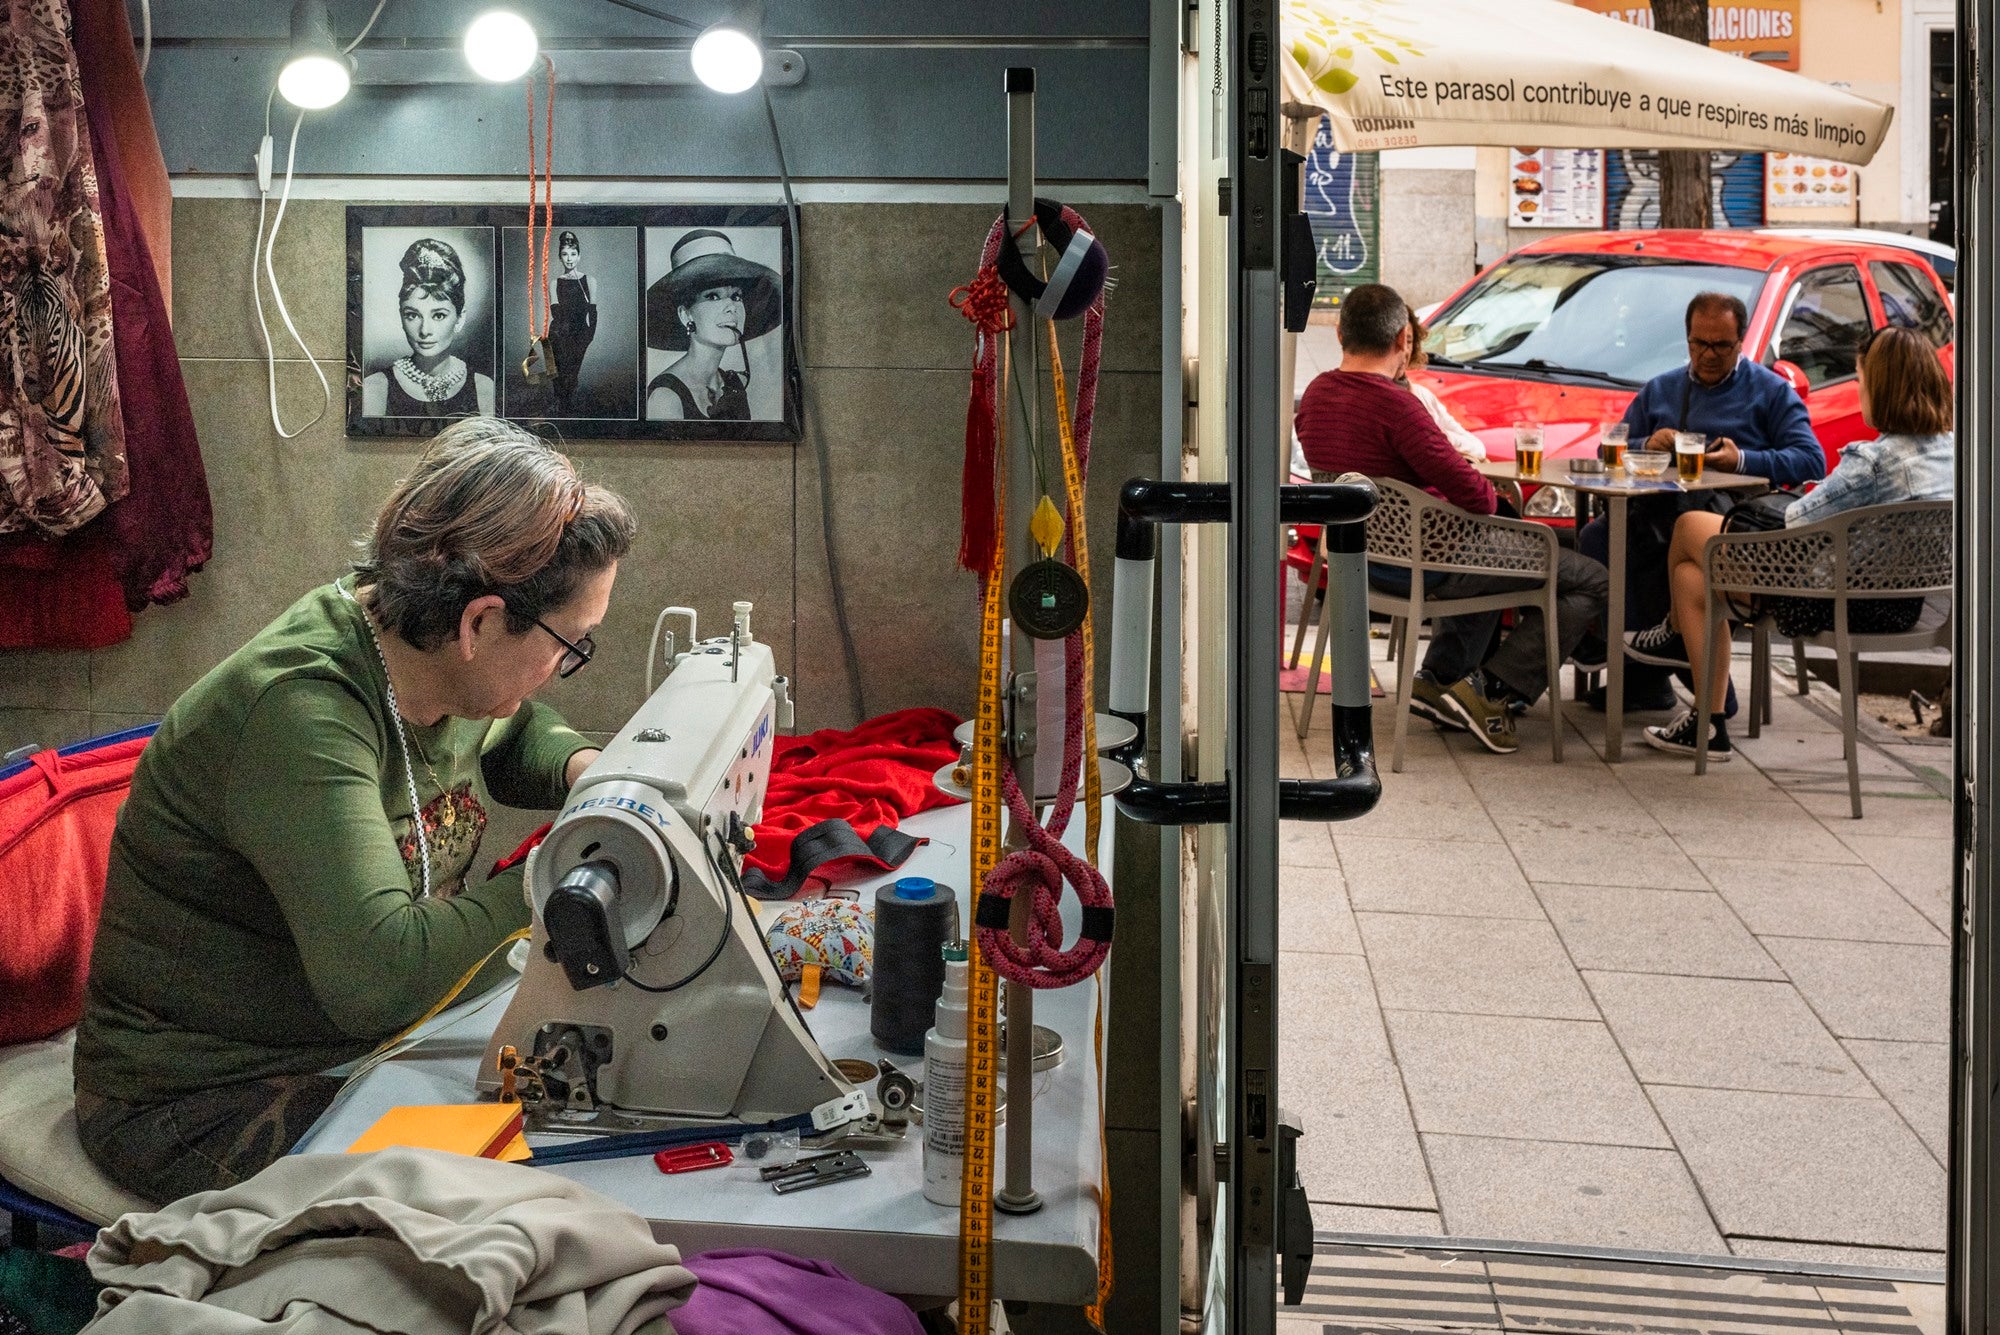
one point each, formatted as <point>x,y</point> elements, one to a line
<point>313,83</point>
<point>727,59</point>
<point>500,45</point>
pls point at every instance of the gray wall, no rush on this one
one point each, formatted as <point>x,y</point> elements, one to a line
<point>1427,231</point>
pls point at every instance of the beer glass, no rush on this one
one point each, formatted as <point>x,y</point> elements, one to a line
<point>1528,448</point>
<point>1689,447</point>
<point>1611,445</point>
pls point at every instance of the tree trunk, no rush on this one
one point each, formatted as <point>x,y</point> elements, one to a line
<point>1684,173</point>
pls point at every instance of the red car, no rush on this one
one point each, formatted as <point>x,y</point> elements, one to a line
<point>1565,331</point>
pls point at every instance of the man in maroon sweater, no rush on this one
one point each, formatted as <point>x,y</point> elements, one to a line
<point>1358,419</point>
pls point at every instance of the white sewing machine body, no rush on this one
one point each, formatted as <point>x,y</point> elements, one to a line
<point>638,877</point>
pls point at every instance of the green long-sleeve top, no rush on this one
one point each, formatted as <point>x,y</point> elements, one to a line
<point>262,909</point>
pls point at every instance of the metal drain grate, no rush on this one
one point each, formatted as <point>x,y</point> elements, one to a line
<point>1401,1290</point>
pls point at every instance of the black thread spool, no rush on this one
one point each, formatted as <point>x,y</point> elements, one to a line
<point>913,920</point>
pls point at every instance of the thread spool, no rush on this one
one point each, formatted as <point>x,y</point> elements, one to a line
<point>913,920</point>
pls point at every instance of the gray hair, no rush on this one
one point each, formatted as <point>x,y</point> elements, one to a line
<point>489,509</point>
<point>1371,318</point>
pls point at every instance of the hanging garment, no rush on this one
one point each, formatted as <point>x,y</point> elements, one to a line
<point>163,528</point>
<point>871,776</point>
<point>62,443</point>
<point>63,593</point>
<point>110,62</point>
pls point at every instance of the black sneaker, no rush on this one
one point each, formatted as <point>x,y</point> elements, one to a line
<point>1657,644</point>
<point>1678,737</point>
<point>1684,692</point>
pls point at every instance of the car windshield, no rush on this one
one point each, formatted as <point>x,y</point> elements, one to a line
<point>1612,316</point>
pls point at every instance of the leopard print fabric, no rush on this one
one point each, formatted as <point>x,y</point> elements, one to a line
<point>62,438</point>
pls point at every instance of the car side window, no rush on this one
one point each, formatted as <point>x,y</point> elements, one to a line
<point>1909,299</point>
<point>1825,321</point>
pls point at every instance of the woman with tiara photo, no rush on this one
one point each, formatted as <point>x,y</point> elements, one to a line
<point>709,304</point>
<point>432,381</point>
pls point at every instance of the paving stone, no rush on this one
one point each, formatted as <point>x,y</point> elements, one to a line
<point>1367,1219</point>
<point>1778,830</point>
<point>1916,1078</point>
<point>1867,989</point>
<point>1800,1167</point>
<point>1580,849</point>
<point>1419,876</point>
<point>1520,1078</point>
<point>1480,966</point>
<point>1313,913</point>
<point>1360,1147</point>
<point>1824,1254</point>
<point>1306,844</point>
<point>1920,868</point>
<point>1723,1033</point>
<point>1654,931</point>
<point>1817,900</point>
<point>1535,1191</point>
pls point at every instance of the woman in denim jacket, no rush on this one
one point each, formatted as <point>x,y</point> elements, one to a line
<point>1906,395</point>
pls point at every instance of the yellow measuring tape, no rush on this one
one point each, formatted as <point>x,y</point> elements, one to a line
<point>982,1060</point>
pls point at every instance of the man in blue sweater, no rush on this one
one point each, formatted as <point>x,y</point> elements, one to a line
<point>1755,423</point>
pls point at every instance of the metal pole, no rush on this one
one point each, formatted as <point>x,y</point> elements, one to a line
<point>1972,1305</point>
<point>1017,1195</point>
<point>1252,407</point>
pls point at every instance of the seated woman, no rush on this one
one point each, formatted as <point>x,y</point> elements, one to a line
<point>293,877</point>
<point>1905,395</point>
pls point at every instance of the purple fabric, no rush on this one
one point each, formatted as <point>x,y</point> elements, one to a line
<point>163,528</point>
<point>749,1291</point>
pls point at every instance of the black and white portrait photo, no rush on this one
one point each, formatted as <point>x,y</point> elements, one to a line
<point>715,325</point>
<point>592,348</point>
<point>426,323</point>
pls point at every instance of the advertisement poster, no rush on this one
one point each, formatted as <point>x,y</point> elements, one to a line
<point>1766,31</point>
<point>1556,187</point>
<point>1792,181</point>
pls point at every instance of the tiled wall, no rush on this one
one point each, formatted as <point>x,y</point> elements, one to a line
<point>887,361</point>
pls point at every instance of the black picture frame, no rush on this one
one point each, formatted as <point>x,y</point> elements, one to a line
<point>627,329</point>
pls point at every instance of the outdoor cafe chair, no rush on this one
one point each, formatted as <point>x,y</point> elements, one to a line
<point>1414,531</point>
<point>1877,551</point>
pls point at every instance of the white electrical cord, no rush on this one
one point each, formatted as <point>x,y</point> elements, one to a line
<point>260,256</point>
<point>145,35</point>
<point>366,28</point>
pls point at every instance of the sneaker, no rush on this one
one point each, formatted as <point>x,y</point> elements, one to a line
<point>1486,719</point>
<point>1590,655</point>
<point>1657,644</point>
<point>1427,701</point>
<point>1644,694</point>
<point>1683,685</point>
<point>1678,737</point>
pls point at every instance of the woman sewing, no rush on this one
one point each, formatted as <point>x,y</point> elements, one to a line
<point>294,876</point>
<point>432,381</point>
<point>708,305</point>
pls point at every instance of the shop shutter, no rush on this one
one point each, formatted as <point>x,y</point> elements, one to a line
<point>1632,189</point>
<point>1343,201</point>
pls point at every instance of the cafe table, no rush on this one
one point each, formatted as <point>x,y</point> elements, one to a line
<point>1616,488</point>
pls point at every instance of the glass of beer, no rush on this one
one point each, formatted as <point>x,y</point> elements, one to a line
<point>1611,445</point>
<point>1689,447</point>
<point>1528,448</point>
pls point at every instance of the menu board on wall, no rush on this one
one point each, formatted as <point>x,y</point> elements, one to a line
<point>1556,187</point>
<point>1792,181</point>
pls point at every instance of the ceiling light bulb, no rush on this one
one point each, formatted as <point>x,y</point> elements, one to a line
<point>317,73</point>
<point>500,45</point>
<point>727,59</point>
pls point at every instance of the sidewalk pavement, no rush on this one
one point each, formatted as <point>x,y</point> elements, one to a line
<point>1623,1006</point>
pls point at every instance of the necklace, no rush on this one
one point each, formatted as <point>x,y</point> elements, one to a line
<point>402,742</point>
<point>437,388</point>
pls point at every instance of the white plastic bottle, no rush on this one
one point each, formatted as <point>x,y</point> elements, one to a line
<point>944,1084</point>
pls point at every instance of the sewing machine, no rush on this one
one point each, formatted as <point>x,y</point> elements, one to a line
<point>647,998</point>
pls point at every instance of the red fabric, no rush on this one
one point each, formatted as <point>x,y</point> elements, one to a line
<point>56,819</point>
<point>61,594</point>
<point>1358,422</point>
<point>870,776</point>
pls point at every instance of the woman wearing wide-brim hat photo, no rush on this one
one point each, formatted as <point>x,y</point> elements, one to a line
<point>709,302</point>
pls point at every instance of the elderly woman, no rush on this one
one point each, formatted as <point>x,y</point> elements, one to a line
<point>432,381</point>
<point>292,880</point>
<point>708,305</point>
<point>1907,397</point>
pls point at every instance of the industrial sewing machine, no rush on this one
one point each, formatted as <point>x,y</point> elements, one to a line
<point>648,999</point>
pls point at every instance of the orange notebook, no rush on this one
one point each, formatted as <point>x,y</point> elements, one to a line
<point>483,1130</point>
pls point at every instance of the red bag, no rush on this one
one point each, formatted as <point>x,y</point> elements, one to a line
<point>57,811</point>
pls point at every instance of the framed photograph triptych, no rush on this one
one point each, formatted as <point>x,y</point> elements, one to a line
<point>666,322</point>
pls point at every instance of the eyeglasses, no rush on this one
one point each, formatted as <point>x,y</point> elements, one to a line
<point>1708,345</point>
<point>579,650</point>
